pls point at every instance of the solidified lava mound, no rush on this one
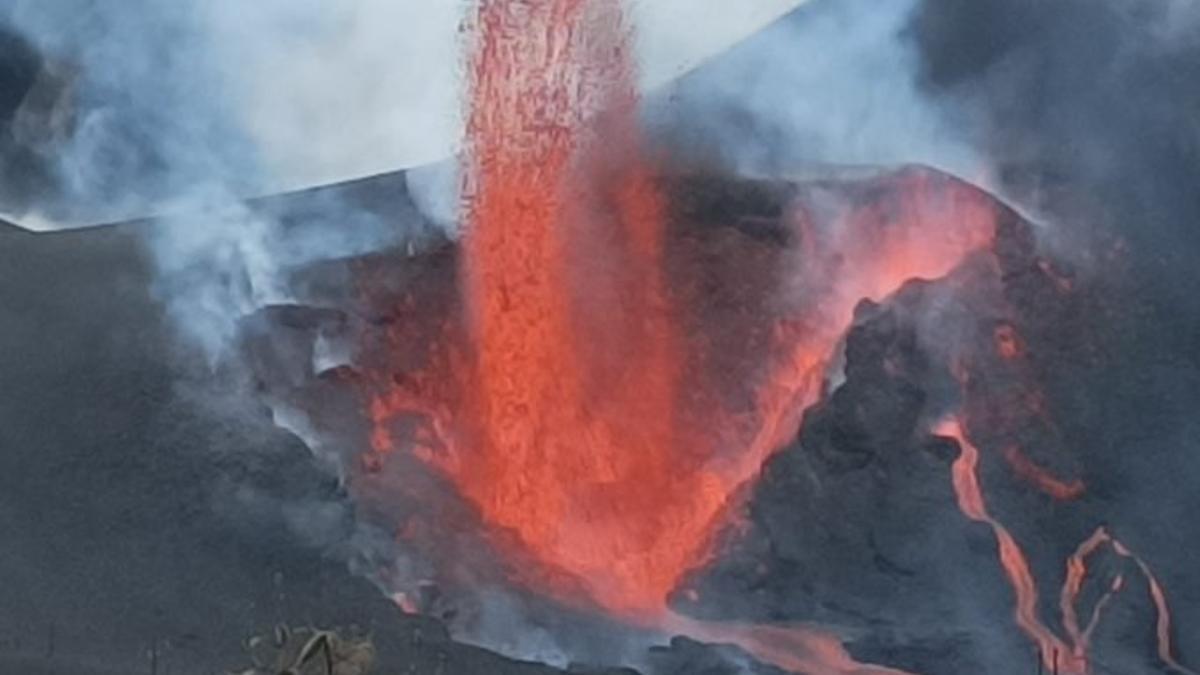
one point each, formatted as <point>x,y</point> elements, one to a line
<point>883,286</point>
<point>885,351</point>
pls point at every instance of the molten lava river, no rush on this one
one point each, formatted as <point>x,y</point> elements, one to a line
<point>584,412</point>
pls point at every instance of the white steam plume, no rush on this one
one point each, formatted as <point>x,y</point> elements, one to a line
<point>835,83</point>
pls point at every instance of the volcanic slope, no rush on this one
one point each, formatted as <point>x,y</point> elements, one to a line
<point>137,509</point>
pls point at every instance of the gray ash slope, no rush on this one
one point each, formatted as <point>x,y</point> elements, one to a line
<point>131,509</point>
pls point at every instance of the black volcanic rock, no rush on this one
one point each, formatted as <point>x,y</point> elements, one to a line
<point>947,654</point>
<point>856,524</point>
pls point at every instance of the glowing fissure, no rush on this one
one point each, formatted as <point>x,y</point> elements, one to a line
<point>1041,478</point>
<point>1071,654</point>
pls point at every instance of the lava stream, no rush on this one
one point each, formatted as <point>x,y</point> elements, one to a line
<point>1076,649</point>
<point>1073,585</point>
<point>1077,570</point>
<point>1012,558</point>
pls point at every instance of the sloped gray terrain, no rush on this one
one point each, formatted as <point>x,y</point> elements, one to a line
<point>119,511</point>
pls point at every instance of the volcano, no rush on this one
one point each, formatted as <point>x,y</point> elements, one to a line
<point>754,411</point>
<point>876,336</point>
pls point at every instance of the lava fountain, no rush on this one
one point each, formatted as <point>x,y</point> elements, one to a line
<point>579,433</point>
<point>573,436</point>
<point>582,419</point>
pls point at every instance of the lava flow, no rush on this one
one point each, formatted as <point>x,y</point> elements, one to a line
<point>1072,654</point>
<point>1077,570</point>
<point>1012,558</point>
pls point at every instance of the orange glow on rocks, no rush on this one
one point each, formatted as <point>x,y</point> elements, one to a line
<point>582,432</point>
<point>1008,342</point>
<point>1077,570</point>
<point>797,650</point>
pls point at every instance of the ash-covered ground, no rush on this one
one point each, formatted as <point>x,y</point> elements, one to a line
<point>141,514</point>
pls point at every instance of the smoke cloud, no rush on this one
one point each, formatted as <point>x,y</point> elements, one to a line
<point>164,117</point>
<point>833,83</point>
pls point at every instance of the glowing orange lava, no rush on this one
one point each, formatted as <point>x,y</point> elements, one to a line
<point>574,441</point>
<point>1073,585</point>
<point>579,424</point>
<point>1012,558</point>
<point>798,650</point>
<point>1077,571</point>
<point>578,437</point>
<point>1071,654</point>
